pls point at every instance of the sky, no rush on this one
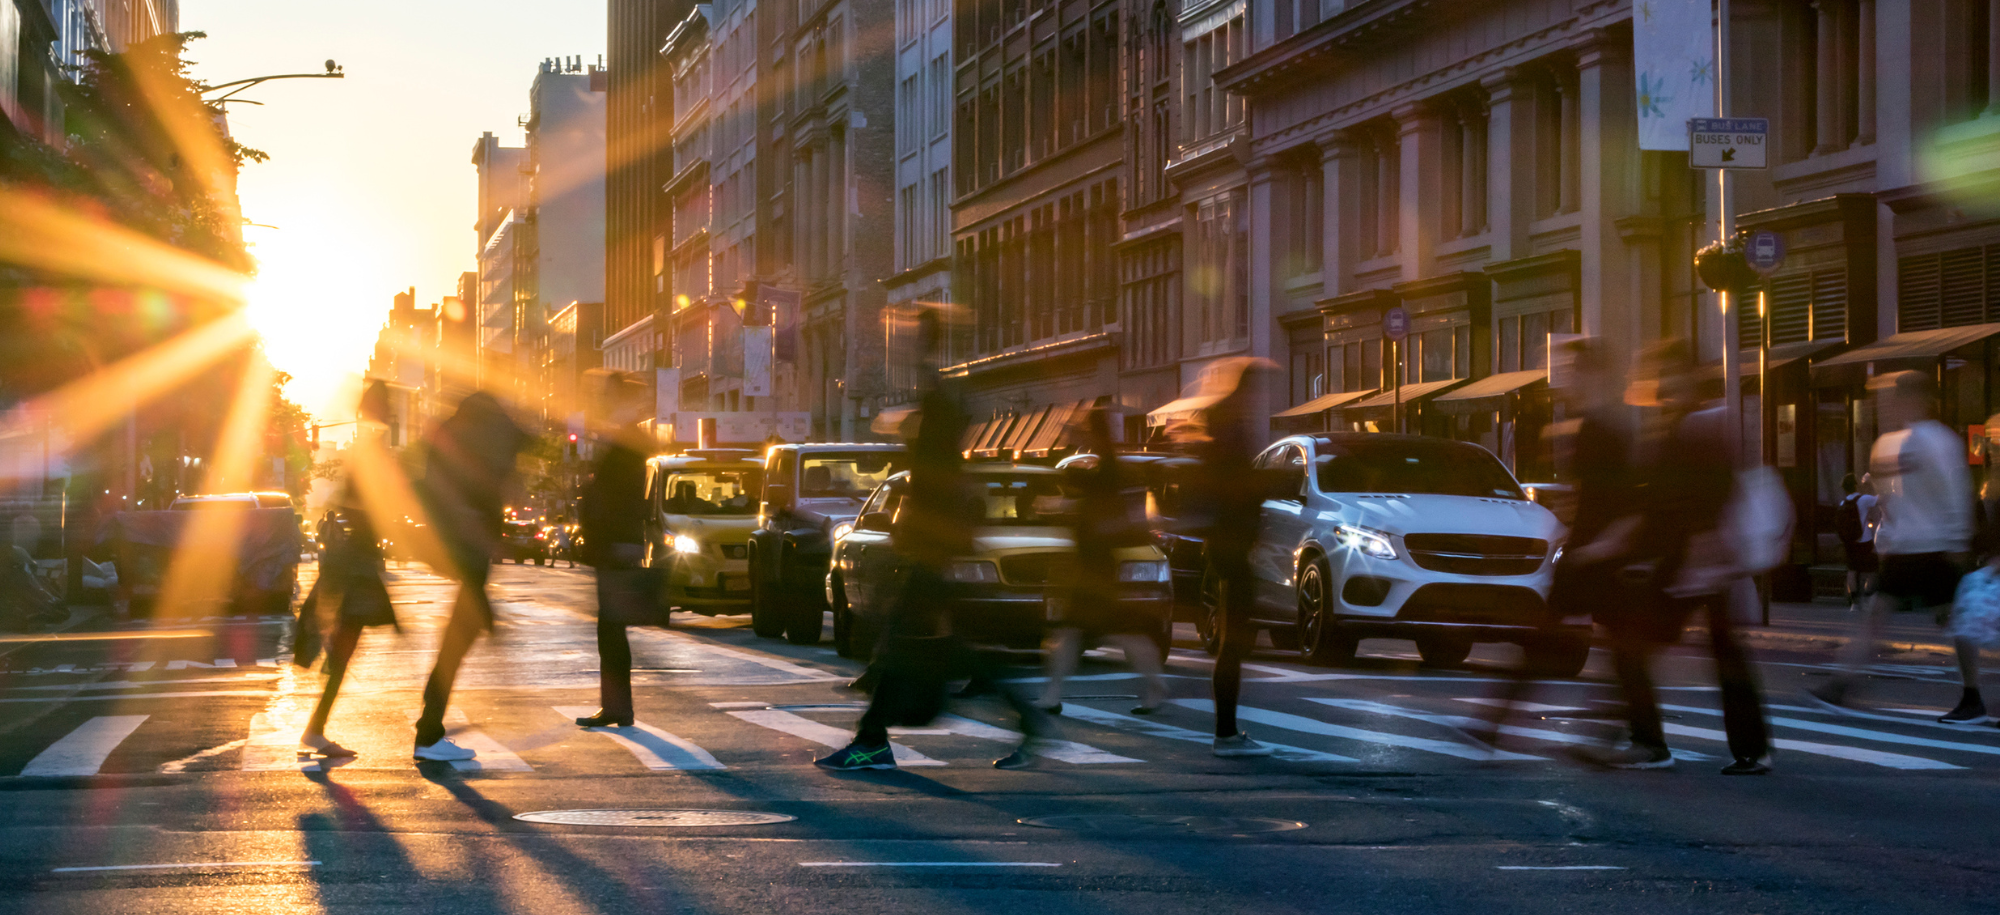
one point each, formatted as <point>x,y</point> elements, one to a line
<point>370,185</point>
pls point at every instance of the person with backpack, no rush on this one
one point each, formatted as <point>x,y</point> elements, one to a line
<point>1924,539</point>
<point>1854,520</point>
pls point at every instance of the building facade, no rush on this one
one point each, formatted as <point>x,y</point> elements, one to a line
<point>922,262</point>
<point>638,164</point>
<point>43,44</point>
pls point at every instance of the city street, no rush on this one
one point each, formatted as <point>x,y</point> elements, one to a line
<point>158,774</point>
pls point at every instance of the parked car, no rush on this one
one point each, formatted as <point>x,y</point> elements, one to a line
<point>1376,535</point>
<point>703,507</point>
<point>811,496</point>
<point>1163,475</point>
<point>243,500</point>
<point>522,541</point>
<point>1022,548</point>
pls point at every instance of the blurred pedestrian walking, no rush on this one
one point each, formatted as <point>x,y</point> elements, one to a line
<point>1688,479</point>
<point>920,650</point>
<point>1228,505</point>
<point>1925,537</point>
<point>1854,521</point>
<point>349,595</point>
<point>1108,518</point>
<point>468,463</point>
<point>1594,454</point>
<point>614,532</point>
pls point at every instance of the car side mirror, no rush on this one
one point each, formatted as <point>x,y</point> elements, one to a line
<point>873,521</point>
<point>779,496</point>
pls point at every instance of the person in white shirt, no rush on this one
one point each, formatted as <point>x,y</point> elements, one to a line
<point>1924,538</point>
<point>1857,516</point>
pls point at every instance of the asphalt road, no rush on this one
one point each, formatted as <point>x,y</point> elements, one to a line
<point>156,772</point>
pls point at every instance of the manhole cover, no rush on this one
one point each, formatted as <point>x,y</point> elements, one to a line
<point>653,817</point>
<point>1163,824</point>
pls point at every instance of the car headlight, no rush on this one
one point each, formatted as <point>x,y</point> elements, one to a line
<point>1143,570</point>
<point>686,544</point>
<point>1367,541</point>
<point>843,529</point>
<point>972,571</point>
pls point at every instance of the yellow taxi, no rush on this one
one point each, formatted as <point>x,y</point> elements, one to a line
<point>703,508</point>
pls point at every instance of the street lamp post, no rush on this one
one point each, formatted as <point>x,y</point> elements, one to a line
<point>333,71</point>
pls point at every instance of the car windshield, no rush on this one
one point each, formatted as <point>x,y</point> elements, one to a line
<point>1022,500</point>
<point>711,492</point>
<point>205,504</point>
<point>853,475</point>
<point>1413,467</point>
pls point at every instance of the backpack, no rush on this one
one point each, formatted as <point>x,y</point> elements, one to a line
<point>1847,520</point>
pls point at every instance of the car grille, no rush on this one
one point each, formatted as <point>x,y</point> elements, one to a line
<point>1491,605</point>
<point>735,551</point>
<point>1476,554</point>
<point>1036,568</point>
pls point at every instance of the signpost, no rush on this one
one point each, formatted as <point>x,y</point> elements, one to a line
<point>1765,252</point>
<point>1728,142</point>
<point>1396,326</point>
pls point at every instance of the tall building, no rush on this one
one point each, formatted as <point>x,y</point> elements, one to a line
<point>922,271</point>
<point>834,113</point>
<point>1038,139</point>
<point>43,45</point>
<point>638,164</point>
<point>503,201</point>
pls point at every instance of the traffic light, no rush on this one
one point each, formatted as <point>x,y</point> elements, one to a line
<point>569,451</point>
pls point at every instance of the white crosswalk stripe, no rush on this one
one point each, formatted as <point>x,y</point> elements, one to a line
<point>1068,751</point>
<point>1380,738</point>
<point>1872,757</point>
<point>1170,732</point>
<point>493,755</point>
<point>655,749</point>
<point>1863,733</point>
<point>83,751</point>
<point>1463,723</point>
<point>824,734</point>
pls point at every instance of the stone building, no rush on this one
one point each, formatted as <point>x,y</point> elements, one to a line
<point>922,274</point>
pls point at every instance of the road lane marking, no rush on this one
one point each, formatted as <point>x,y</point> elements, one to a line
<point>1930,715</point>
<point>1381,738</point>
<point>193,864</point>
<point>493,755</point>
<point>1068,751</point>
<point>1170,732</point>
<point>824,734</point>
<point>1462,723</point>
<point>1863,733</point>
<point>128,697</point>
<point>655,749</point>
<point>107,636</point>
<point>929,864</point>
<point>1872,757</point>
<point>83,751</point>
<point>1523,706</point>
<point>1558,867</point>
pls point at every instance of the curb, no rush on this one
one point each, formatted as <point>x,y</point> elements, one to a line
<point>1803,640</point>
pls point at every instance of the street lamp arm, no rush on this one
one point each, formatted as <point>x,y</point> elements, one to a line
<point>243,84</point>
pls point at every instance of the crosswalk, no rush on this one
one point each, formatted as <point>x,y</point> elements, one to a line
<point>1327,731</point>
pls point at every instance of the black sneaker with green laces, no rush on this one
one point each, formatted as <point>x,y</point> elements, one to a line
<point>854,757</point>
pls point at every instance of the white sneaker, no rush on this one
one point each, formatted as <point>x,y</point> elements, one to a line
<point>444,751</point>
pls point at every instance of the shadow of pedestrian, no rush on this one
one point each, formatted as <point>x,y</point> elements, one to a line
<point>363,864</point>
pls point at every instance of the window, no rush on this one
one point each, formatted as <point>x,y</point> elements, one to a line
<point>940,94</point>
<point>1421,466</point>
<point>1217,278</point>
<point>1464,193</point>
<point>1307,204</point>
<point>1556,138</point>
<point>941,212</point>
<point>1381,191</point>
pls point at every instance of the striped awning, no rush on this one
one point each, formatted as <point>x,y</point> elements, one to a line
<point>1323,404</point>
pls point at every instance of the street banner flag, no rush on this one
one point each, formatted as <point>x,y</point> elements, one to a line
<point>1673,62</point>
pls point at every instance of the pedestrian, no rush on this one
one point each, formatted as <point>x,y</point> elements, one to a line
<point>1595,456</point>
<point>1228,508</point>
<point>1105,522</point>
<point>919,649</point>
<point>1687,476</point>
<point>1924,539</point>
<point>349,595</point>
<point>1854,520</point>
<point>614,525</point>
<point>468,463</point>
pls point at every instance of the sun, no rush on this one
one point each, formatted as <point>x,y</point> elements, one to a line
<point>315,326</point>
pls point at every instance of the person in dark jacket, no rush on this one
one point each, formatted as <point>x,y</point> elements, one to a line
<point>468,463</point>
<point>919,647</point>
<point>1229,498</point>
<point>1687,476</point>
<point>614,535</point>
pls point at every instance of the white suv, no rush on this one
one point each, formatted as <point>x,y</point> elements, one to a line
<point>1371,535</point>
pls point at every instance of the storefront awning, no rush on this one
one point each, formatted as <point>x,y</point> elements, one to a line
<point>1411,393</point>
<point>1051,434</point>
<point>1017,437</point>
<point>1488,394</point>
<point>1776,357</point>
<point>1177,410</point>
<point>1323,404</point>
<point>973,434</point>
<point>1919,349</point>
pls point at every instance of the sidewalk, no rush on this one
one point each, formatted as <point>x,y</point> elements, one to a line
<point>1827,626</point>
